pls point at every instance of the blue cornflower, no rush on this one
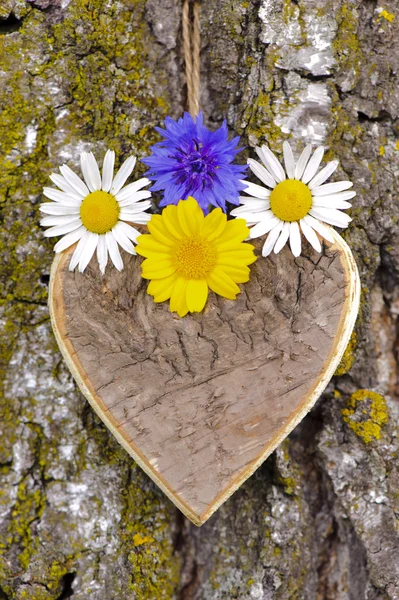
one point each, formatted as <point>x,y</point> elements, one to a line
<point>193,161</point>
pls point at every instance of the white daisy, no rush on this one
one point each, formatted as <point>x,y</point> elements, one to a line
<point>96,212</point>
<point>294,200</point>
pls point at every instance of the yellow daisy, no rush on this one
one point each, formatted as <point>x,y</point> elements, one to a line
<point>186,254</point>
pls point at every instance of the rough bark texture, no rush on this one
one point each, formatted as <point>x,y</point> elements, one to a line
<point>78,519</point>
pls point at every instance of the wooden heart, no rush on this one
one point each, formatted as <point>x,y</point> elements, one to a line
<point>201,402</point>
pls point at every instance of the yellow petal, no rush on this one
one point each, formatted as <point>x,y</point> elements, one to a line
<point>171,220</point>
<point>152,254</point>
<point>222,284</point>
<point>213,225</point>
<point>196,294</point>
<point>162,289</point>
<point>235,247</point>
<point>237,273</point>
<point>158,229</point>
<point>232,260</point>
<point>190,216</point>
<point>153,268</point>
<point>147,244</point>
<point>235,231</point>
<point>237,257</point>
<point>178,298</point>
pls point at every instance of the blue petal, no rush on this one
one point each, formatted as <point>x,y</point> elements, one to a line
<point>192,160</point>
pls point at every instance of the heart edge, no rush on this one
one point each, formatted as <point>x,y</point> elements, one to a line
<point>348,320</point>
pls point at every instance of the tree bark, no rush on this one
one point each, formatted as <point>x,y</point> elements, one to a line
<point>77,518</point>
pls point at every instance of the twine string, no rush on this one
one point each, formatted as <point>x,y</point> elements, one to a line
<point>192,47</point>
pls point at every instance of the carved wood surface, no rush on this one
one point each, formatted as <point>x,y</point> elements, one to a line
<point>202,401</point>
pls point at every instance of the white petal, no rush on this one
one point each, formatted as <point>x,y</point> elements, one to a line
<point>331,216</point>
<point>132,188</point>
<point>321,229</point>
<point>282,240</point>
<point>74,180</point>
<point>136,197</point>
<point>63,229</point>
<point>90,171</point>
<point>265,225</point>
<point>251,216</point>
<point>122,239</point>
<point>272,238</point>
<point>88,250</point>
<point>69,239</point>
<point>62,183</point>
<point>134,209</point>
<point>129,231</point>
<point>102,252</point>
<point>113,250</point>
<point>256,190</point>
<point>254,206</point>
<point>295,239</point>
<point>84,166</point>
<point>57,220</point>
<point>331,188</point>
<point>61,197</point>
<point>262,157</point>
<point>289,160</point>
<point>313,164</point>
<point>123,173</point>
<point>310,235</point>
<point>249,200</point>
<point>55,208</point>
<point>108,172</point>
<point>250,220</point>
<point>303,161</point>
<point>141,218</point>
<point>78,251</point>
<point>336,196</point>
<point>94,171</point>
<point>262,173</point>
<point>330,202</point>
<point>324,174</point>
<point>273,164</point>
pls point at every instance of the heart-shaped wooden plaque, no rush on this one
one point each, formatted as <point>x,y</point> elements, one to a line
<point>201,402</point>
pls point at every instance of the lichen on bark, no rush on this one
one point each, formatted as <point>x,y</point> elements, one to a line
<point>318,519</point>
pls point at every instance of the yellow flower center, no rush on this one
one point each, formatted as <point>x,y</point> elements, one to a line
<point>194,257</point>
<point>99,212</point>
<point>291,200</point>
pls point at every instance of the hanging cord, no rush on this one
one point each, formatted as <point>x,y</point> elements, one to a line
<point>192,47</point>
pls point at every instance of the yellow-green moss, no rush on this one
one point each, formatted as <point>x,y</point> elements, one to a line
<point>289,10</point>
<point>28,507</point>
<point>34,593</point>
<point>366,413</point>
<point>346,43</point>
<point>139,540</point>
<point>52,577</point>
<point>384,14</point>
<point>260,116</point>
<point>348,357</point>
<point>289,485</point>
<point>146,541</point>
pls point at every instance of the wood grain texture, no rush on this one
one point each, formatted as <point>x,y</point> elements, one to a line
<point>200,402</point>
